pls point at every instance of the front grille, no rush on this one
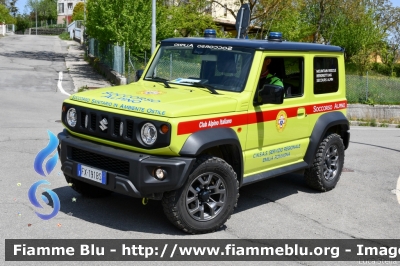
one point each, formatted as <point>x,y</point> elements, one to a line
<point>83,119</point>
<point>100,161</point>
<point>106,125</point>
<point>117,123</point>
<point>129,129</point>
<point>93,122</point>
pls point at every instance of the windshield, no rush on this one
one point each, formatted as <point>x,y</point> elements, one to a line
<point>217,67</point>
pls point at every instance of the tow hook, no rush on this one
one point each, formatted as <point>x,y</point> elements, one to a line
<point>145,201</point>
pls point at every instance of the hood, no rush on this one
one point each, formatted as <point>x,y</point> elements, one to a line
<point>153,98</point>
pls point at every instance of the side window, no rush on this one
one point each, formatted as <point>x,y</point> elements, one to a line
<point>293,79</point>
<point>326,76</point>
<point>289,70</point>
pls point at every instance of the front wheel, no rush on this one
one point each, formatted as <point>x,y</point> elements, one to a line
<point>207,199</point>
<point>328,164</point>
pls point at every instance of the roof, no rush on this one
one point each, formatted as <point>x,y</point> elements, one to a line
<point>257,44</point>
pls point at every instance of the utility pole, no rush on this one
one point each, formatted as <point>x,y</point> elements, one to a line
<point>36,14</point>
<point>84,12</point>
<point>153,27</point>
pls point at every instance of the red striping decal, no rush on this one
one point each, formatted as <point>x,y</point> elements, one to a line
<point>254,117</point>
<point>325,107</point>
<point>225,121</point>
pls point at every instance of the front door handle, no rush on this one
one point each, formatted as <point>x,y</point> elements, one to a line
<point>301,112</point>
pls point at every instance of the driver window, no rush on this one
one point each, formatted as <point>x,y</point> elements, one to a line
<point>284,71</point>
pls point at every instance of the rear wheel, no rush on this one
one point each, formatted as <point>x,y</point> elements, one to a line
<point>86,189</point>
<point>328,164</point>
<point>207,199</point>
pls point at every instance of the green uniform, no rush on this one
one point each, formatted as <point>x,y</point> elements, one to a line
<point>273,80</point>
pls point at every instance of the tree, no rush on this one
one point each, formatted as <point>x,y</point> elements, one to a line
<point>389,20</point>
<point>120,22</point>
<point>262,12</point>
<point>12,7</point>
<point>22,23</point>
<point>78,13</point>
<point>361,38</point>
<point>46,9</point>
<point>5,15</point>
<point>288,17</point>
<point>189,19</point>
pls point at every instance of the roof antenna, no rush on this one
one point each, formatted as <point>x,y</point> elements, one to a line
<point>243,21</point>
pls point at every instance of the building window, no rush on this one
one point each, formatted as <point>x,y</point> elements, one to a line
<point>69,6</point>
<point>225,10</point>
<point>61,8</point>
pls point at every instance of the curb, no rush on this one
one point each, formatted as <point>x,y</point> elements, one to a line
<point>368,124</point>
<point>110,74</point>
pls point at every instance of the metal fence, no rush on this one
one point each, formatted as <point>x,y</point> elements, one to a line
<point>113,56</point>
<point>134,63</point>
<point>46,24</point>
<point>373,89</point>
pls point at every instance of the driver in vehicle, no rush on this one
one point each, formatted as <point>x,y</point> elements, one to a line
<point>266,77</point>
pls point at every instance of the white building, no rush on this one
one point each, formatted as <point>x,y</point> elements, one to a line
<point>65,9</point>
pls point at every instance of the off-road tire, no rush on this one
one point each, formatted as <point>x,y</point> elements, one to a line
<point>207,199</point>
<point>328,164</point>
<point>86,189</point>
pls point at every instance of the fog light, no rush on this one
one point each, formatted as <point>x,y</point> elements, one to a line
<point>160,174</point>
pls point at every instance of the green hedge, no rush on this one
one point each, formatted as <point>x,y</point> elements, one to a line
<point>385,70</point>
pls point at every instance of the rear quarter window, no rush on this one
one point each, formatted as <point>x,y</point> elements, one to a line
<point>326,75</point>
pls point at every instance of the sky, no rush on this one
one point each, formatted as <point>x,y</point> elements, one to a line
<point>21,5</point>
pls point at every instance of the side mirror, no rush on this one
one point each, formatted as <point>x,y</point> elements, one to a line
<point>270,94</point>
<point>139,73</point>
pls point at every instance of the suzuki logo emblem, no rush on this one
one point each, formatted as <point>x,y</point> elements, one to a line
<point>103,124</point>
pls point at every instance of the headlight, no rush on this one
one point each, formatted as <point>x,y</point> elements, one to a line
<point>71,117</point>
<point>148,133</point>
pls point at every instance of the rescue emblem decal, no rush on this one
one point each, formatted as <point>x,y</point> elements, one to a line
<point>281,120</point>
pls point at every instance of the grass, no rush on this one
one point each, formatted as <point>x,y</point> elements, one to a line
<point>375,122</point>
<point>83,88</point>
<point>64,36</point>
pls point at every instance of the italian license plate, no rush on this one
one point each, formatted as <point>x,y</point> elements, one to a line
<point>92,174</point>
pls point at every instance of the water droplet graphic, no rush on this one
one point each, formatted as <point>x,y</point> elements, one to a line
<point>42,155</point>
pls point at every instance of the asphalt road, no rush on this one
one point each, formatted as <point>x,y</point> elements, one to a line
<point>365,204</point>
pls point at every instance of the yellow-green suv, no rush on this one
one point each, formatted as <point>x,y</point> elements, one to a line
<point>206,119</point>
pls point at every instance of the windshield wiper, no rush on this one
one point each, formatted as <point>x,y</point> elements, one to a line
<point>163,80</point>
<point>209,87</point>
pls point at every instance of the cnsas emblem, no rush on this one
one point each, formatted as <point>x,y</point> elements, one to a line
<point>151,92</point>
<point>281,120</point>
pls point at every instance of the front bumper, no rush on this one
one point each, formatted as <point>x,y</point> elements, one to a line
<point>128,172</point>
